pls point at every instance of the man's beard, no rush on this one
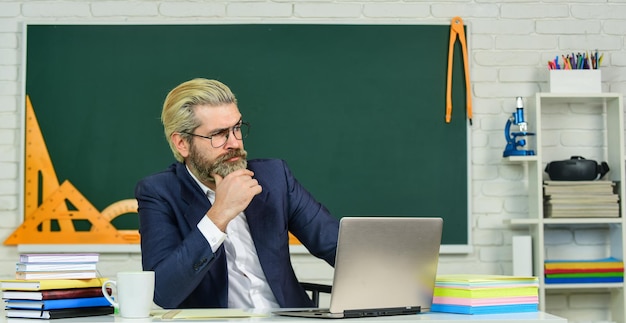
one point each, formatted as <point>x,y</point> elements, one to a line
<point>221,166</point>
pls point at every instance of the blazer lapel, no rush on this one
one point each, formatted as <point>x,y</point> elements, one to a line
<point>193,195</point>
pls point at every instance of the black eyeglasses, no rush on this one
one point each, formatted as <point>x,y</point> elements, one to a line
<point>219,137</point>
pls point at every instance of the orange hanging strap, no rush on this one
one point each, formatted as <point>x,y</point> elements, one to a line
<point>456,29</point>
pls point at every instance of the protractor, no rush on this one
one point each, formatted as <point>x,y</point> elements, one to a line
<point>118,208</point>
<point>123,207</point>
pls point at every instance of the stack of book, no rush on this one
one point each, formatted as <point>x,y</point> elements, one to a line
<point>57,266</point>
<point>485,294</point>
<point>582,199</point>
<point>606,270</point>
<point>49,286</point>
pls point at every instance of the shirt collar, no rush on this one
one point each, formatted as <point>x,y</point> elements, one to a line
<point>207,191</point>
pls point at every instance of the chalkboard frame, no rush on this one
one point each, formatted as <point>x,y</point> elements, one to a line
<point>458,116</point>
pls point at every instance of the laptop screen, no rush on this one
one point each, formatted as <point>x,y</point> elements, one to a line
<point>386,262</point>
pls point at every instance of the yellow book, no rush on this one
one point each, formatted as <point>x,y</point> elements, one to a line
<point>45,284</point>
<point>206,313</point>
<point>585,265</point>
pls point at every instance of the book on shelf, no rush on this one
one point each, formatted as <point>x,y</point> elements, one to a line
<point>595,214</point>
<point>53,304</point>
<point>570,200</point>
<point>548,271</point>
<point>46,284</point>
<point>562,191</point>
<point>580,183</point>
<point>583,280</point>
<point>586,199</point>
<point>30,275</point>
<point>579,187</point>
<point>586,275</point>
<point>55,266</point>
<point>550,212</point>
<point>54,293</point>
<point>605,270</point>
<point>59,257</point>
<point>608,262</point>
<point>60,313</point>
<point>584,207</point>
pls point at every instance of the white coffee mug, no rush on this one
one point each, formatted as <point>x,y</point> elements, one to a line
<point>134,290</point>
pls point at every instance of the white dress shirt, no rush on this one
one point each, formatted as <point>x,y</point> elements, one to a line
<point>247,285</point>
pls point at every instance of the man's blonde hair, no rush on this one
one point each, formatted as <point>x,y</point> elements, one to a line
<point>178,113</point>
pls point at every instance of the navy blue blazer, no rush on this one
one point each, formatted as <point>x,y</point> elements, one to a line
<point>189,275</point>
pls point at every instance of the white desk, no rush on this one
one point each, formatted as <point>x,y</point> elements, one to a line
<point>435,317</point>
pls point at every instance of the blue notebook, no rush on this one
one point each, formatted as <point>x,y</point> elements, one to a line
<point>582,280</point>
<point>51,304</point>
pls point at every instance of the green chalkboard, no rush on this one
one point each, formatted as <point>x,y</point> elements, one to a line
<point>357,111</point>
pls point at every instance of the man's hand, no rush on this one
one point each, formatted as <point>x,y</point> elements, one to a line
<point>233,193</point>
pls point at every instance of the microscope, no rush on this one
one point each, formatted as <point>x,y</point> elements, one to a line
<point>513,142</point>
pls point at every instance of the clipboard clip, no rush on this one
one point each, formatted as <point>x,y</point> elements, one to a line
<point>457,30</point>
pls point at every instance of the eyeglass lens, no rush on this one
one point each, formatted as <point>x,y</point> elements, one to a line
<point>240,132</point>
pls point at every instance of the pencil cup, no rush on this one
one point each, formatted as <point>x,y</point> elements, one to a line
<point>575,81</point>
<point>134,290</point>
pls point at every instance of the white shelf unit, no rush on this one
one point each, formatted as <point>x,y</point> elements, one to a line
<point>605,110</point>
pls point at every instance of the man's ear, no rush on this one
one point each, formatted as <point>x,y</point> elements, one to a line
<point>180,143</point>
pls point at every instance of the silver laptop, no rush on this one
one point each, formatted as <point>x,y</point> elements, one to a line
<point>384,266</point>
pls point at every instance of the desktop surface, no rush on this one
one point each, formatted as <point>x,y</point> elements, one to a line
<point>267,316</point>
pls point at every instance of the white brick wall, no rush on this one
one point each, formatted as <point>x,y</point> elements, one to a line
<point>510,43</point>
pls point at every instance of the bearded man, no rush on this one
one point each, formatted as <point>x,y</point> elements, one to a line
<point>215,227</point>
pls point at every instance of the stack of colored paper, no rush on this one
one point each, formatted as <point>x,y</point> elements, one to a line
<point>606,270</point>
<point>485,294</point>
